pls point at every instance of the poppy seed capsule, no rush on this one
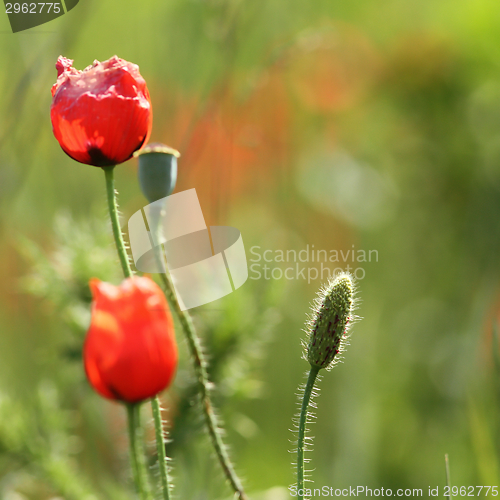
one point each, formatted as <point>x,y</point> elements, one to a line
<point>157,170</point>
<point>329,322</point>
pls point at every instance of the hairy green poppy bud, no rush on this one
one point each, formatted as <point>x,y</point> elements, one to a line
<point>332,313</point>
<point>157,170</point>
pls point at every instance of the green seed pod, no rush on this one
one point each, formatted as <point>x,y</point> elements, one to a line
<point>327,327</point>
<point>157,170</point>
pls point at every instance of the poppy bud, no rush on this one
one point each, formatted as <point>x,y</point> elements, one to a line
<point>130,352</point>
<point>157,170</point>
<point>100,115</point>
<point>332,314</point>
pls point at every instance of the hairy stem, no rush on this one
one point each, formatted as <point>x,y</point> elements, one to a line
<point>127,271</point>
<point>302,429</point>
<point>212,423</point>
<point>203,387</point>
<point>136,455</point>
<point>115,221</point>
<point>160,448</point>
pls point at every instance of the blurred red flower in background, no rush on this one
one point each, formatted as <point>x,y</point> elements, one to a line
<point>100,115</point>
<point>233,141</point>
<point>130,353</point>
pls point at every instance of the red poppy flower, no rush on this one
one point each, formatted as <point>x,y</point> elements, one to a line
<point>100,115</point>
<point>130,353</point>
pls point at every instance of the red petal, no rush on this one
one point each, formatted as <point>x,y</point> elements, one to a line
<point>101,115</point>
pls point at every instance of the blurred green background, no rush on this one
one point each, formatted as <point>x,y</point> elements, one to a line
<point>371,125</point>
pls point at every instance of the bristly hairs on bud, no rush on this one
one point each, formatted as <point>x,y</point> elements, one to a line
<point>328,324</point>
<point>327,330</point>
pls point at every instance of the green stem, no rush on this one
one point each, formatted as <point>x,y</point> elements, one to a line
<point>302,429</point>
<point>212,423</point>
<point>160,447</point>
<point>136,456</point>
<point>127,271</point>
<point>115,221</point>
